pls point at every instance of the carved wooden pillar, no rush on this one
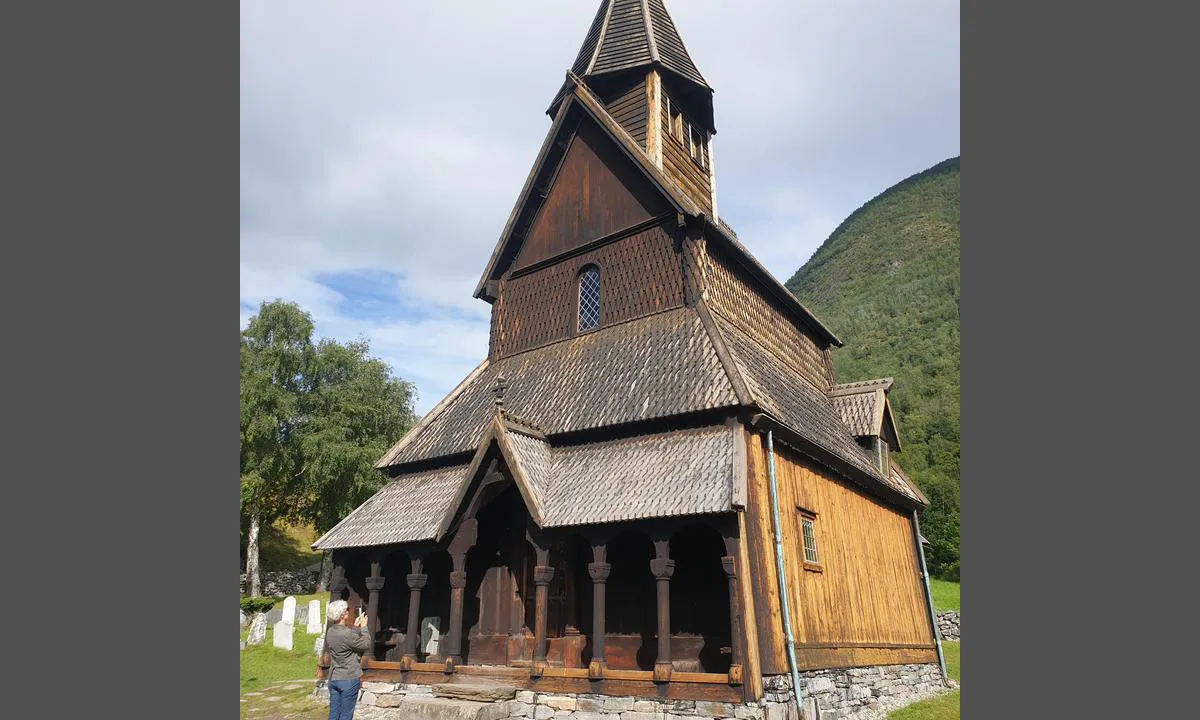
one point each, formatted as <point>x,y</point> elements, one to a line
<point>662,566</point>
<point>599,570</point>
<point>464,540</point>
<point>729,562</point>
<point>374,584</point>
<point>337,582</point>
<point>452,645</point>
<point>412,631</point>
<point>542,575</point>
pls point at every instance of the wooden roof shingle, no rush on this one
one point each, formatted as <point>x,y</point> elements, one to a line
<point>655,366</point>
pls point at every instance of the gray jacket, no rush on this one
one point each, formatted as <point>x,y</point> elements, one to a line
<point>345,646</point>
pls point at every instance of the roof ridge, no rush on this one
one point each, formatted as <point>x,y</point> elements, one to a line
<point>861,386</point>
<point>729,364</point>
<point>650,31</point>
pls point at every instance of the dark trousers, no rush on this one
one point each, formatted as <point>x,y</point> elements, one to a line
<point>343,694</point>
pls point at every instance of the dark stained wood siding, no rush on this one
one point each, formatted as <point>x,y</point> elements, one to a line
<point>628,107</point>
<point>743,302</point>
<point>679,166</point>
<point>596,192</point>
<point>866,606</point>
<point>639,275</point>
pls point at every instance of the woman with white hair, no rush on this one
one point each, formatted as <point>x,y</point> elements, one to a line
<point>346,640</point>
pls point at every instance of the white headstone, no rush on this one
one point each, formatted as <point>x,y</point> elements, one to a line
<point>289,610</point>
<point>258,629</point>
<point>314,618</point>
<point>282,635</point>
<point>319,645</point>
<point>241,619</point>
<point>430,635</point>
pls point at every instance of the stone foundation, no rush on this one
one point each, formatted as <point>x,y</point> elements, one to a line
<point>844,694</point>
<point>862,693</point>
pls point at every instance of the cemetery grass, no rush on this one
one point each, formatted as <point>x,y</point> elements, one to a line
<point>277,684</point>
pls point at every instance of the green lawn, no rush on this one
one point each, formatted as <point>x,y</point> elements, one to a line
<point>277,684</point>
<point>945,595</point>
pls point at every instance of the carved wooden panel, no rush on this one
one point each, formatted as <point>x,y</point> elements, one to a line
<point>639,275</point>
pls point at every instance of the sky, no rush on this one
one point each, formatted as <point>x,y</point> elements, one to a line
<point>384,143</point>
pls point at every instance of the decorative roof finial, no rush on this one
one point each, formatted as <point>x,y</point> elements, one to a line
<point>498,391</point>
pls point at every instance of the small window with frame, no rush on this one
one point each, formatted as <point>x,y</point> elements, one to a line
<point>808,535</point>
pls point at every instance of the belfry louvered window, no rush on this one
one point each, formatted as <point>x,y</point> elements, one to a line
<point>589,298</point>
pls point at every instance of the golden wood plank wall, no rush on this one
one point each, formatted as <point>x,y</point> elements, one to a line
<point>867,605</point>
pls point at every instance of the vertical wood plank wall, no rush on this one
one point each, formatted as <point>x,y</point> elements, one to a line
<point>628,107</point>
<point>595,192</point>
<point>679,166</point>
<point>867,606</point>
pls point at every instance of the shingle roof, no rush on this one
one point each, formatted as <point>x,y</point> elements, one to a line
<point>407,509</point>
<point>629,33</point>
<point>654,366</point>
<point>858,412</point>
<point>793,401</point>
<point>686,472</point>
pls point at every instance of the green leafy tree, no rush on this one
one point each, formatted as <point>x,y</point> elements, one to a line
<point>276,354</point>
<point>356,411</point>
<point>314,419</point>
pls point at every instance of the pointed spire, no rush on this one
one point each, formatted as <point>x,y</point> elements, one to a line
<point>627,34</point>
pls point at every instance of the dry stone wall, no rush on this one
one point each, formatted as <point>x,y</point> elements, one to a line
<point>948,625</point>
<point>284,583</point>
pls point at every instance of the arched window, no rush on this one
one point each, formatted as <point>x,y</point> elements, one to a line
<point>589,298</point>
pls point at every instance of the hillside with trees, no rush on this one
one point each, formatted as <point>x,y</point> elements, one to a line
<point>886,282</point>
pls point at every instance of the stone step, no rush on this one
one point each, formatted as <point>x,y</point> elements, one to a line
<point>424,707</point>
<point>479,692</point>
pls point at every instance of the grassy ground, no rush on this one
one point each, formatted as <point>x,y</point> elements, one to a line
<point>945,594</point>
<point>277,684</point>
<point>943,707</point>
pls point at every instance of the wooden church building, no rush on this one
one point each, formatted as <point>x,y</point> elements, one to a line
<point>595,507</point>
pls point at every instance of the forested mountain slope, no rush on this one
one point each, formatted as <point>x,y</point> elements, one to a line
<point>886,282</point>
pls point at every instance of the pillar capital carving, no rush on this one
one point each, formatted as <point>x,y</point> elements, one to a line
<point>458,579</point>
<point>599,571</point>
<point>662,568</point>
<point>543,574</point>
<point>337,584</point>
<point>729,562</point>
<point>374,584</point>
<point>416,581</point>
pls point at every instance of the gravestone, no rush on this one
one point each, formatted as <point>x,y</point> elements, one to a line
<point>289,610</point>
<point>258,629</point>
<point>282,636</point>
<point>319,645</point>
<point>241,619</point>
<point>314,618</point>
<point>430,635</point>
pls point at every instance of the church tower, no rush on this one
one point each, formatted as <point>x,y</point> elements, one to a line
<point>635,61</point>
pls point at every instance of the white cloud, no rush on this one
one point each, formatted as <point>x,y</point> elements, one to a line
<point>394,137</point>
